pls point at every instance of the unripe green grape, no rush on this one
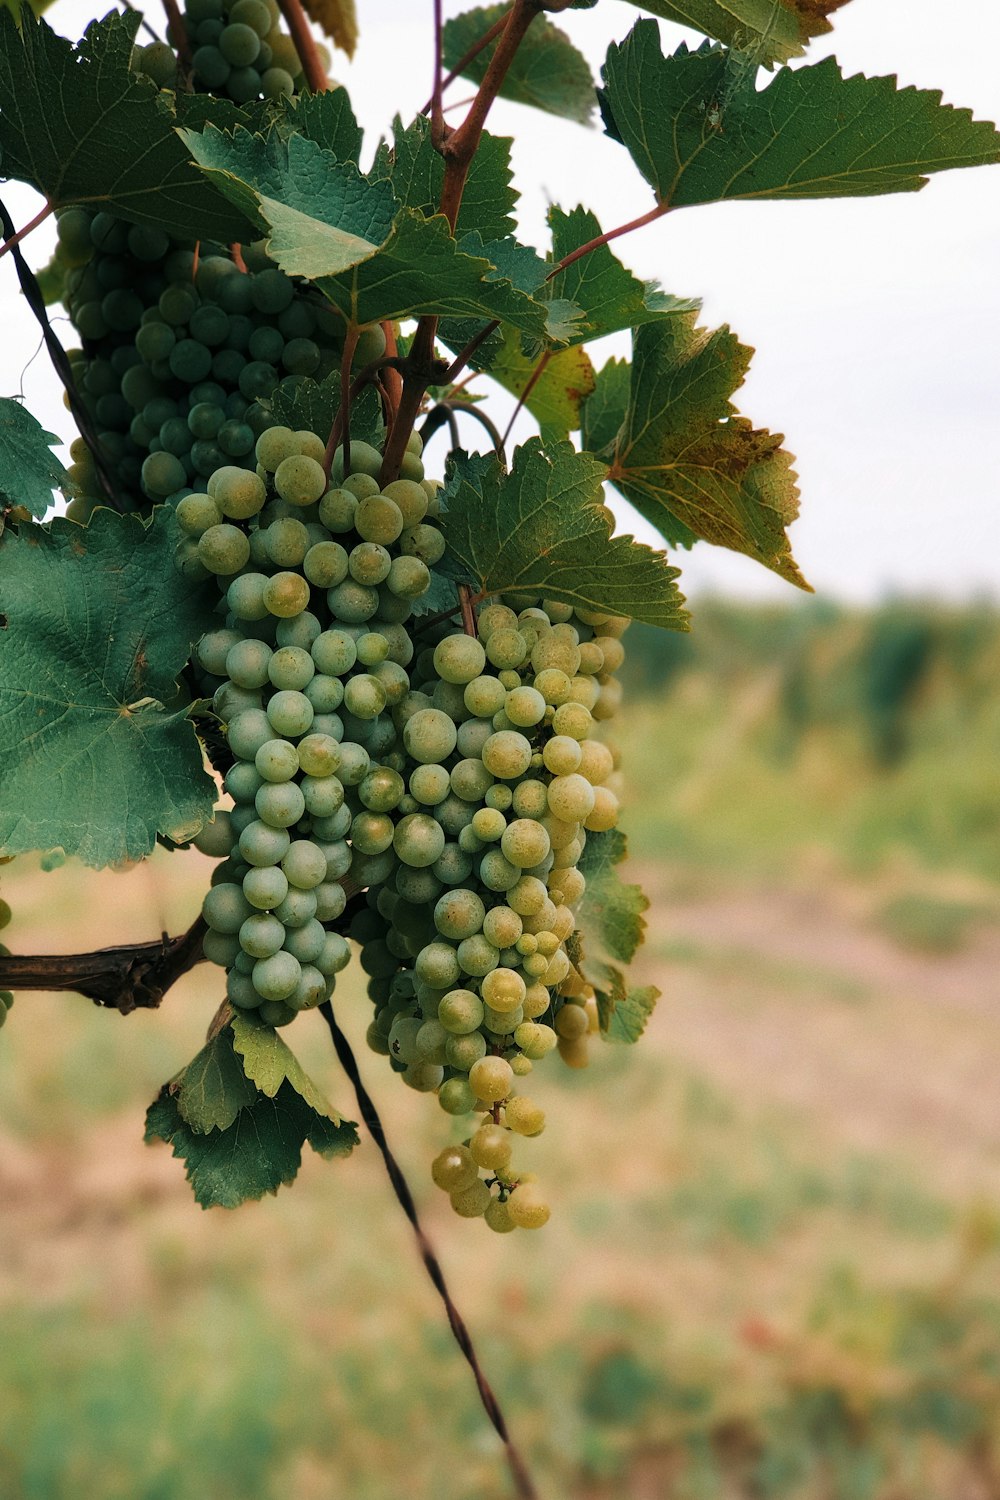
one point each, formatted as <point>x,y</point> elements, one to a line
<point>290,713</point>
<point>497,1217</point>
<point>336,851</point>
<point>497,873</point>
<point>300,480</point>
<point>369,563</point>
<point>323,794</point>
<point>503,989</point>
<point>354,763</point>
<point>458,914</point>
<point>429,736</point>
<point>196,514</point>
<point>354,603</point>
<point>461,1011</point>
<point>223,549</point>
<point>364,696</point>
<point>527,1209</point>
<point>217,837</point>
<point>364,459</point>
<point>605,812</point>
<point>298,907</point>
<point>240,991</point>
<point>331,899</point>
<point>454,1169</point>
<point>237,492</point>
<point>286,542</point>
<point>507,754</point>
<point>325,564</point>
<point>319,755</point>
<point>261,935</point>
<point>246,596</point>
<point>503,927</point>
<point>274,445</point>
<point>411,499</point>
<point>336,955</point>
<point>220,948</point>
<point>472,736</point>
<point>378,519</point>
<point>225,908</point>
<point>506,649</point>
<point>456,1097</point>
<point>337,510</point>
<point>381,789</point>
<point>280,804</point>
<point>492,1079</point>
<point>425,1077</point>
<point>393,679</point>
<point>488,825</point>
<point>408,577</point>
<point>304,865</point>
<point>470,781</point>
<point>291,668</point>
<point>286,594</point>
<point>430,1042</point>
<point>523,1116</point>
<point>334,652</point>
<point>459,659</point>
<point>403,1035</point>
<point>265,888</point>
<point>484,696</point>
<point>574,720</point>
<point>424,542</point>
<point>491,1147</point>
<point>371,833</point>
<point>277,760</point>
<point>471,1202</point>
<point>418,840</point>
<point>525,843</point>
<point>463,1049</point>
<point>262,845</point>
<point>246,663</point>
<point>275,977</point>
<point>535,1041</point>
<point>477,955</point>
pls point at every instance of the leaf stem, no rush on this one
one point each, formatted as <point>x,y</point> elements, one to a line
<point>461,359</point>
<point>350,344</point>
<point>437,113</point>
<point>468,613</point>
<point>523,1483</point>
<point>605,239</point>
<point>533,380</point>
<point>393,379</point>
<point>305,45</point>
<point>472,410</point>
<point>474,51</point>
<point>21,234</point>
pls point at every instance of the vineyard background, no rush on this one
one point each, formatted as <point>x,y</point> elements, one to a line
<point>772,1265</point>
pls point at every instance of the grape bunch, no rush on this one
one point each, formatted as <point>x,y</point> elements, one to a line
<point>319,582</point>
<point>6,998</point>
<point>238,50</point>
<point>473,880</point>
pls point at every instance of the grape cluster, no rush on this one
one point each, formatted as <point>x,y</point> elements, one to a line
<point>318,583</point>
<point>238,50</point>
<point>6,998</point>
<point>470,906</point>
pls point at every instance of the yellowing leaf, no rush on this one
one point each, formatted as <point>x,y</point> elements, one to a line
<point>338,19</point>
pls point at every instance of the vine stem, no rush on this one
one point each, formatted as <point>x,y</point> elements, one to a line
<point>468,613</point>
<point>437,113</point>
<point>305,45</point>
<point>177,35</point>
<point>523,1483</point>
<point>21,234</point>
<point>467,57</point>
<point>533,380</point>
<point>133,976</point>
<point>57,354</point>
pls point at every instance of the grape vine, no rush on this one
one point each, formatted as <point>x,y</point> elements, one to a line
<point>403,684</point>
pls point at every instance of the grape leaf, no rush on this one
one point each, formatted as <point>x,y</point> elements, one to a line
<point>811,133</point>
<point>311,405</point>
<point>604,411</point>
<point>440,595</point>
<point>81,128</point>
<point>270,1063</point>
<point>610,928</point>
<point>29,470</point>
<point>339,20</point>
<point>416,172</point>
<point>566,380</point>
<point>542,529</point>
<point>97,623</point>
<point>691,465</point>
<point>347,233</point>
<point>610,297</point>
<point>327,118</point>
<point>770,30</point>
<point>547,71</point>
<point>256,1154</point>
<point>213,1088</point>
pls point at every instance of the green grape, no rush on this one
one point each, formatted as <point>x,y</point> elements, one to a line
<point>353,603</point>
<point>497,1216</point>
<point>298,907</point>
<point>162,474</point>
<point>223,549</point>
<point>524,707</point>
<point>280,804</point>
<point>247,731</point>
<point>429,735</point>
<point>276,83</point>
<point>304,865</point>
<point>454,1169</point>
<point>323,795</point>
<point>461,1011</point>
<point>262,845</point>
<point>463,1049</point>
<point>326,694</point>
<point>210,67</point>
<point>491,1147</point>
<point>364,696</point>
<point>470,781</point>
<point>335,955</point>
<point>369,563</point>
<point>525,843</point>
<point>492,1078</point>
<point>371,833</point>
<point>300,480</point>
<point>456,1097</point>
<point>319,755</point>
<point>418,840</point>
<point>571,798</point>
<point>247,662</point>
<point>220,948</point>
<point>488,824</point>
<point>471,1202</point>
<point>306,943</point>
<point>325,564</point>
<point>507,754</point>
<point>276,977</point>
<point>225,908</point>
<point>378,519</point>
<point>290,713</point>
<point>524,1117</point>
<point>459,914</point>
<point>459,659</point>
<point>477,955</point>
<point>277,760</point>
<point>290,668</point>
<point>527,1209</point>
<point>261,935</point>
<point>334,652</point>
<point>430,784</point>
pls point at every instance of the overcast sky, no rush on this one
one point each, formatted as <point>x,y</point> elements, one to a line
<point>876,321</point>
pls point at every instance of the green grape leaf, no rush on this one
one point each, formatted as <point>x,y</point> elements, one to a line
<point>328,119</point>
<point>29,470</point>
<point>689,463</point>
<point>347,233</point>
<point>609,296</point>
<point>610,928</point>
<point>547,72</point>
<point>441,595</point>
<point>555,395</point>
<point>256,1154</point>
<point>603,413</point>
<point>270,1063</point>
<point>311,405</point>
<point>97,624</point>
<point>82,128</point>
<point>769,30</point>
<point>542,529</point>
<point>416,172</point>
<point>811,133</point>
<point>213,1088</point>
<point>339,20</point>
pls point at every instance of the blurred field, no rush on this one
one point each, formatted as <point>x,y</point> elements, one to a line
<point>773,1267</point>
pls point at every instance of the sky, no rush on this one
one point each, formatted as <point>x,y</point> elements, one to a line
<point>876,321</point>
